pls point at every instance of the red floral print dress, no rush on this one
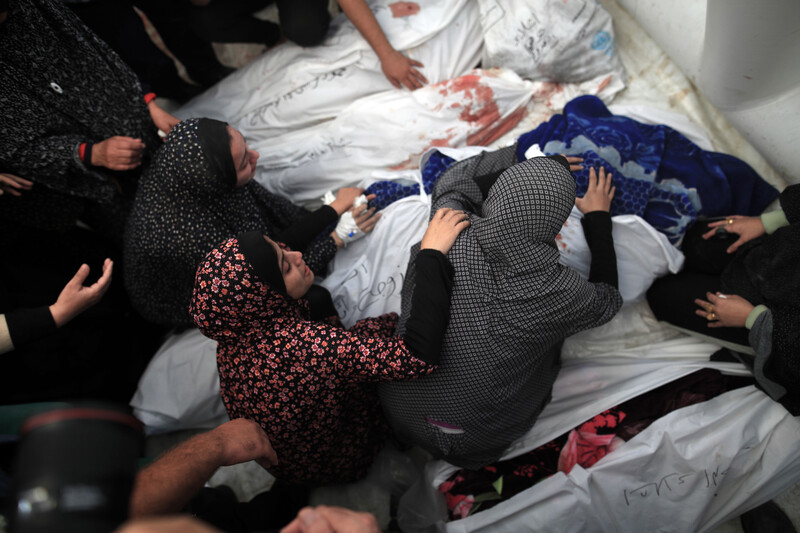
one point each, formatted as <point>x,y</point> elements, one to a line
<point>311,385</point>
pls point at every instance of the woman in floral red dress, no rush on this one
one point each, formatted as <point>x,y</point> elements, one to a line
<point>309,382</point>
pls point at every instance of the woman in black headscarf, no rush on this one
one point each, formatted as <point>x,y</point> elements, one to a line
<point>512,305</point>
<point>199,192</point>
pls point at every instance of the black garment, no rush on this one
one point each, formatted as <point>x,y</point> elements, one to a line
<point>100,354</point>
<point>184,208</point>
<point>172,20</point>
<point>61,86</point>
<point>304,22</point>
<point>123,30</point>
<point>763,271</point>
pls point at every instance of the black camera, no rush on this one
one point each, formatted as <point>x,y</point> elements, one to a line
<point>74,470</point>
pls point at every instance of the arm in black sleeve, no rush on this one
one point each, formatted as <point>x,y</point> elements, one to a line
<point>302,232</point>
<point>790,203</point>
<point>597,229</point>
<point>26,325</point>
<point>430,306</point>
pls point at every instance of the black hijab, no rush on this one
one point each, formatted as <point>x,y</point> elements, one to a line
<point>187,204</point>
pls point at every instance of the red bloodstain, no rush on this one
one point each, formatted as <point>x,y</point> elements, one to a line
<point>412,161</point>
<point>486,136</point>
<point>604,84</point>
<point>404,9</point>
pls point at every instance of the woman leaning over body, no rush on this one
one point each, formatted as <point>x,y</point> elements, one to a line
<point>200,191</point>
<point>309,382</point>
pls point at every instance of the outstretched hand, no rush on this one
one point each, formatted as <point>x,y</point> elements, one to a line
<point>75,298</point>
<point>747,228</point>
<point>443,229</point>
<point>13,185</point>
<point>599,194</point>
<point>724,310</point>
<point>400,70</point>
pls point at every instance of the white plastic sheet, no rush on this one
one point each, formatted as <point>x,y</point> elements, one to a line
<point>291,87</point>
<point>366,277</point>
<point>180,387</point>
<point>689,471</point>
<point>554,40</point>
<point>390,131</point>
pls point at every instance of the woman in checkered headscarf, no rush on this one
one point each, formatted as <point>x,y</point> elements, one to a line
<point>512,305</point>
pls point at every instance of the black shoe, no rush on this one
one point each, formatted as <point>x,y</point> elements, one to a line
<point>767,518</point>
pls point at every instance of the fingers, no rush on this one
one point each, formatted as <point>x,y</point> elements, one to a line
<point>419,76</point>
<point>101,285</point>
<point>574,163</point>
<point>79,277</point>
<point>735,246</point>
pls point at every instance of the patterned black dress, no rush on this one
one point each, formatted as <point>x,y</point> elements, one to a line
<point>183,209</point>
<point>61,86</point>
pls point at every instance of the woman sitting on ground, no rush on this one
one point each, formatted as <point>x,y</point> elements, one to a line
<point>512,305</point>
<point>740,285</point>
<point>199,192</point>
<point>309,382</point>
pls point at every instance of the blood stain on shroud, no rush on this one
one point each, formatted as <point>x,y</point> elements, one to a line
<point>404,9</point>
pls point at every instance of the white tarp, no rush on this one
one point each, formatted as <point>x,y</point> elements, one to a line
<point>689,471</point>
<point>291,87</point>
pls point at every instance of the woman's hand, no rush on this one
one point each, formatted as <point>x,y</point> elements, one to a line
<point>75,298</point>
<point>355,224</point>
<point>599,194</point>
<point>163,120</point>
<point>345,197</point>
<point>724,310</point>
<point>747,228</point>
<point>443,229</point>
<point>13,185</point>
<point>574,163</point>
<point>365,218</point>
<point>118,153</point>
<point>400,70</point>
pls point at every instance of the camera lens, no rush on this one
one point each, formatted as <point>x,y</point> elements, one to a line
<point>75,469</point>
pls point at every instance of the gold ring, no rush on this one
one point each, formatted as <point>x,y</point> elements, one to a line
<point>711,316</point>
<point>730,221</point>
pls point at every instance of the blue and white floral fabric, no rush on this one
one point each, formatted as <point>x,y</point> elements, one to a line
<point>659,174</point>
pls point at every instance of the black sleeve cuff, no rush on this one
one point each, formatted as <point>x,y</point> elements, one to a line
<point>597,229</point>
<point>26,325</point>
<point>430,306</point>
<point>560,159</point>
<point>300,234</point>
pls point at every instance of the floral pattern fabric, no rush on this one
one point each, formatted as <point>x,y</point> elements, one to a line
<point>310,385</point>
